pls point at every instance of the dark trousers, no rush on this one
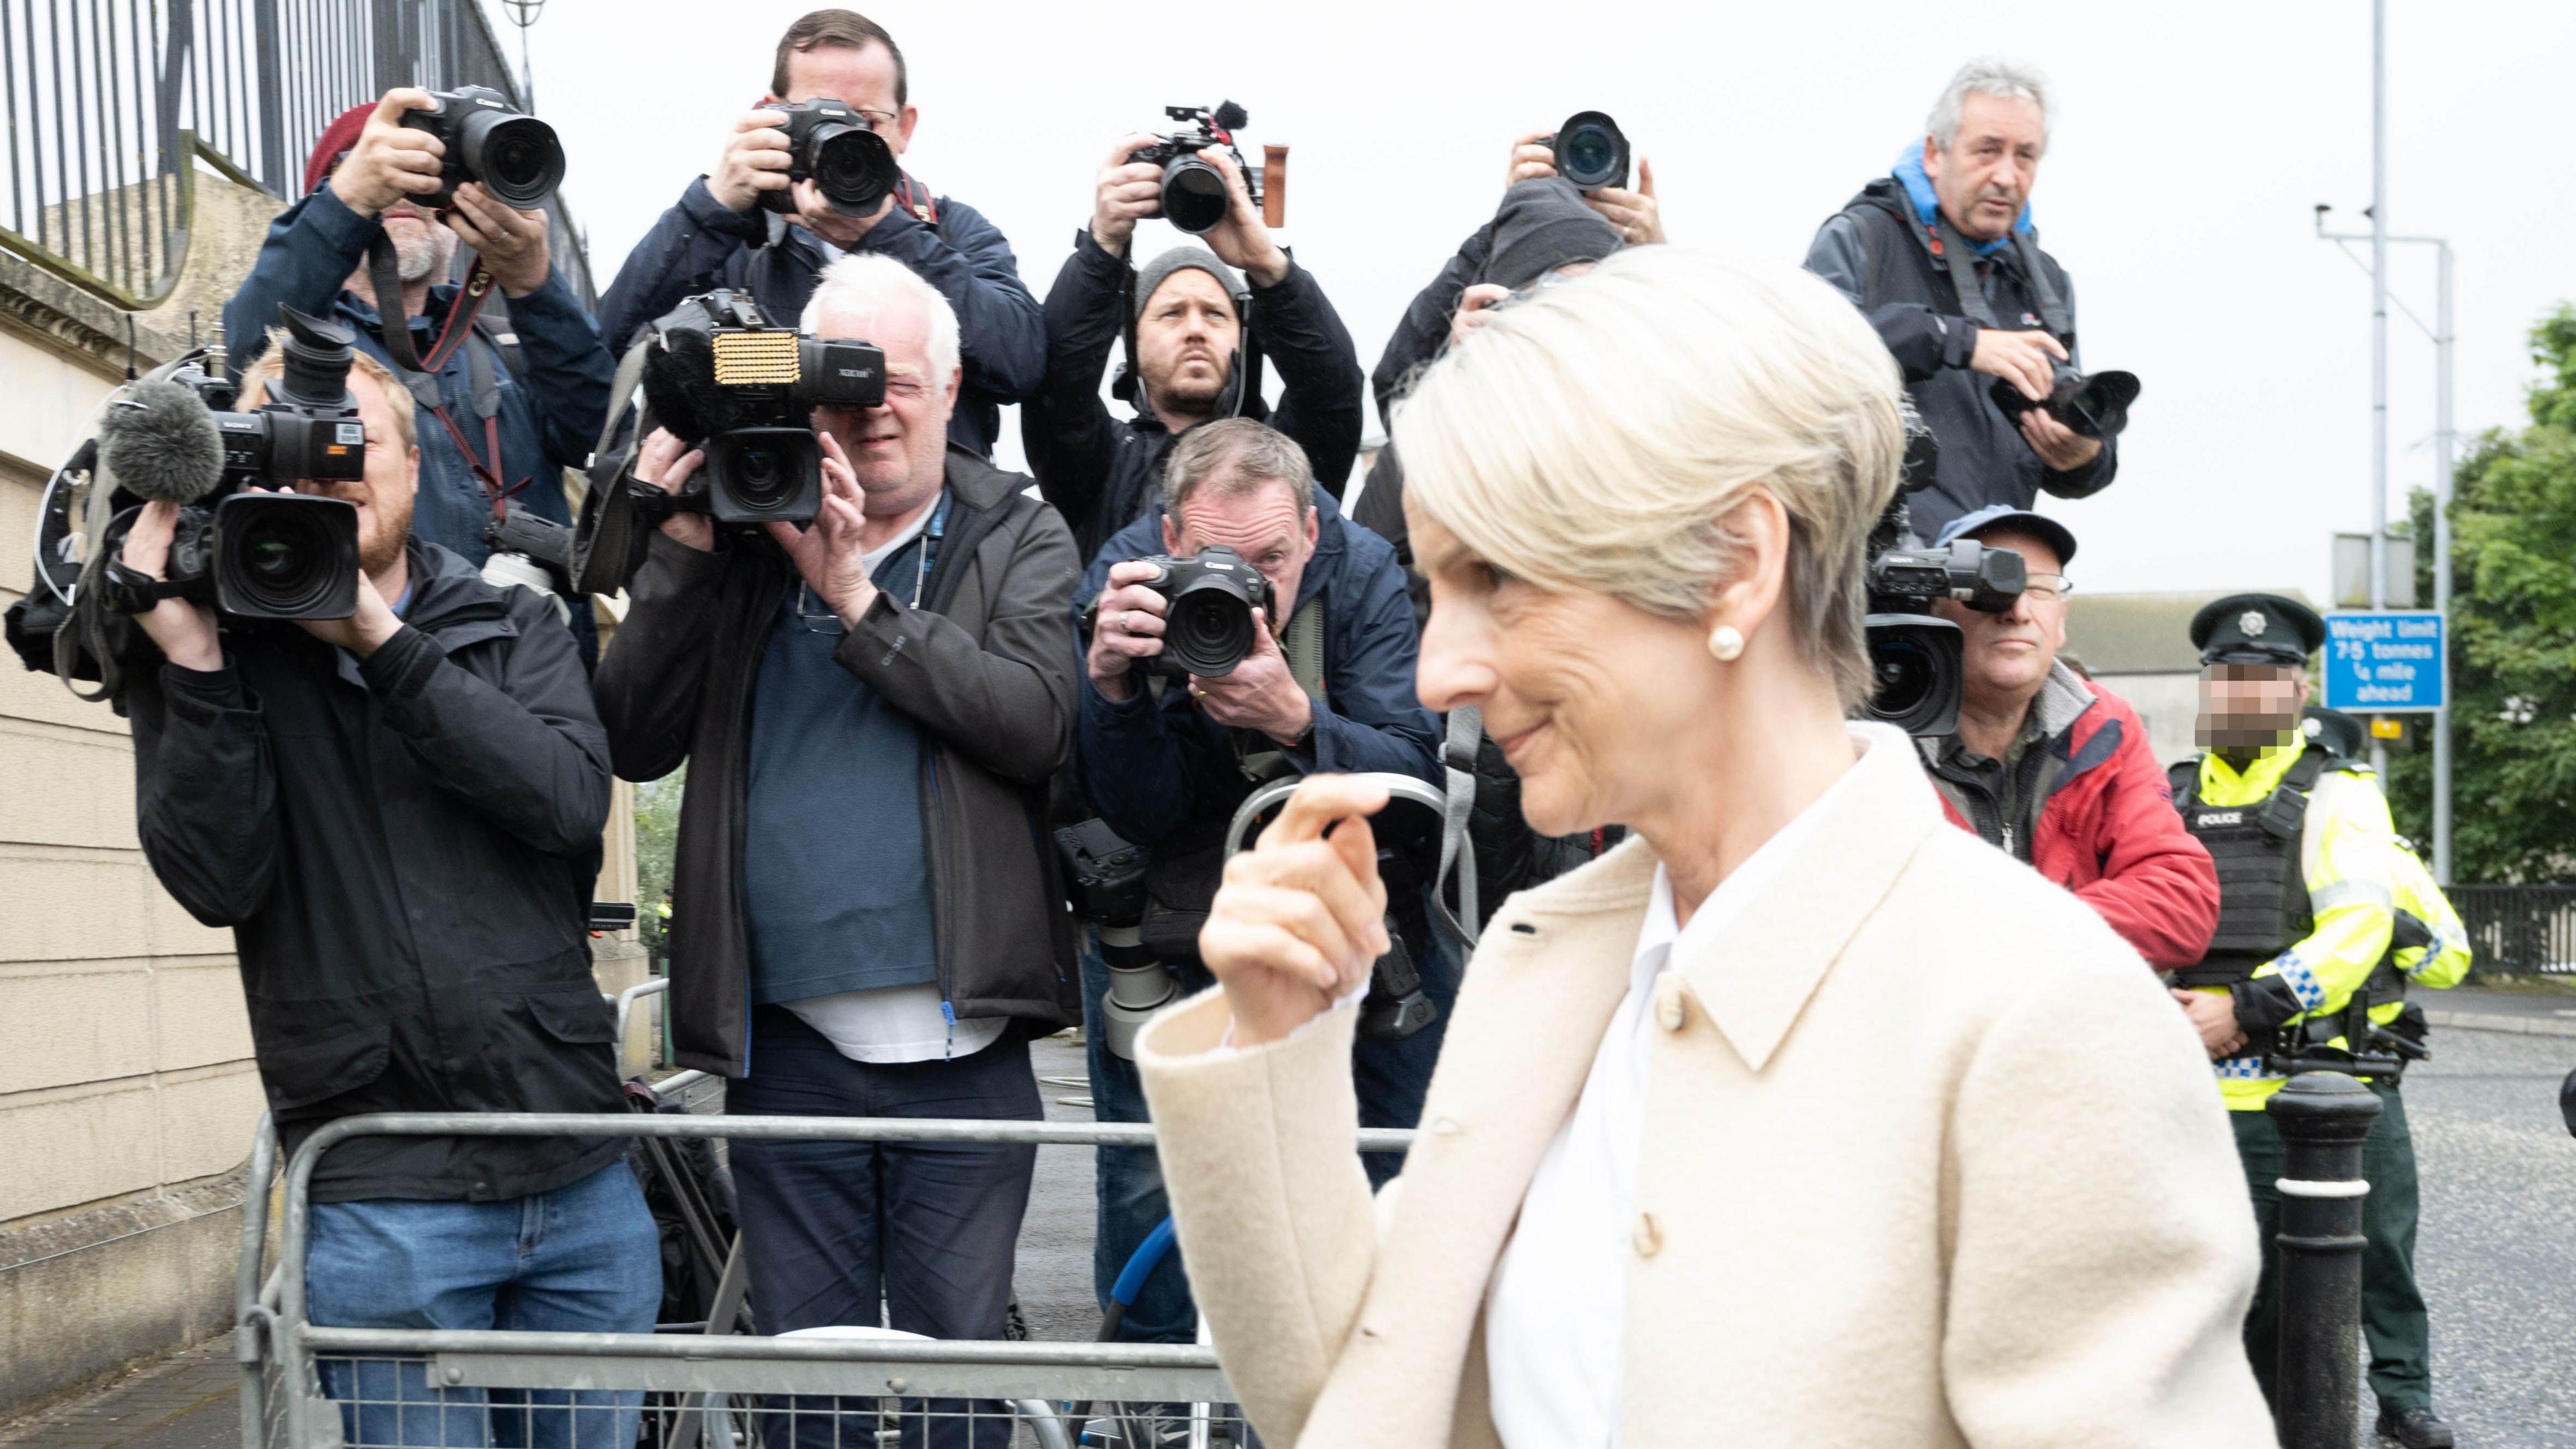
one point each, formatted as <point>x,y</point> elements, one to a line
<point>1390,1076</point>
<point>931,1227</point>
<point>2393,1319</point>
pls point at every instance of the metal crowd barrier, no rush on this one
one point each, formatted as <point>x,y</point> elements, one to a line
<point>820,1389</point>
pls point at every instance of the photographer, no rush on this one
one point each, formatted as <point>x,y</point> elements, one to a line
<point>501,425</point>
<point>720,234</point>
<point>398,813</point>
<point>866,921</point>
<point>2056,771</point>
<point>1960,206</point>
<point>1168,766</point>
<point>1195,323</point>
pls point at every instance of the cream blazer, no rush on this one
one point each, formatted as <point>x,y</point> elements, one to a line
<point>1930,1159</point>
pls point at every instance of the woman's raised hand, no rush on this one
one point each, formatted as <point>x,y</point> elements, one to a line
<point>1301,916</point>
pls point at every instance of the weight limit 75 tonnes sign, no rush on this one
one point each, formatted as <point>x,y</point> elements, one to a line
<point>2384,661</point>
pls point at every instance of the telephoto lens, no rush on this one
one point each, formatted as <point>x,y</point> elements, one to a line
<point>833,146</point>
<point>1590,151</point>
<point>515,156</point>
<point>2092,405</point>
<point>1208,629</point>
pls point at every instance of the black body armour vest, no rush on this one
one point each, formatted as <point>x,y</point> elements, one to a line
<point>2262,888</point>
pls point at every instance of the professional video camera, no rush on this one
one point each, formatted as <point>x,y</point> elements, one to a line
<point>514,155</point>
<point>253,555</point>
<point>1590,151</point>
<point>1916,657</point>
<point>720,373</point>
<point>1209,627</point>
<point>832,146</point>
<point>1194,195</point>
<point>2095,405</point>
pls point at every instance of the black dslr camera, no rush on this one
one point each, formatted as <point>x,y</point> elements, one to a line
<point>718,372</point>
<point>832,146</point>
<point>514,155</point>
<point>1590,151</point>
<point>2095,405</point>
<point>1209,627</point>
<point>1915,657</point>
<point>1194,196</point>
<point>253,555</point>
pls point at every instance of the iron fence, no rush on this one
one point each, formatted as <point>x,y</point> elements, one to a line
<point>2527,930</point>
<point>109,105</point>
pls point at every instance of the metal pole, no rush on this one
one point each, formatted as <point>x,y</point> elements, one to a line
<point>2444,441</point>
<point>2324,1118</point>
<point>2378,329</point>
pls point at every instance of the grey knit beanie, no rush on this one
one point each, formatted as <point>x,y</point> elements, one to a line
<point>1158,271</point>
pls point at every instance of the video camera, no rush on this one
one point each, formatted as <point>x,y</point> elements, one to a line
<point>515,155</point>
<point>1208,628</point>
<point>1194,194</point>
<point>177,439</point>
<point>1915,657</point>
<point>720,373</point>
<point>833,146</point>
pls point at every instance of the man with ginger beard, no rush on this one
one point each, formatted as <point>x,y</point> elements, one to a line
<point>489,422</point>
<point>398,815</point>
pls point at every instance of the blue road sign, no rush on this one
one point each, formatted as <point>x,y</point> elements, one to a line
<point>2385,661</point>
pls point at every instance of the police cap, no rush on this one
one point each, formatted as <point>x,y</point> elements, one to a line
<point>2257,629</point>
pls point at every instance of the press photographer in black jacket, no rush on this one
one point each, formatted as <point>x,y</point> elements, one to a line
<point>1192,316</point>
<point>398,814</point>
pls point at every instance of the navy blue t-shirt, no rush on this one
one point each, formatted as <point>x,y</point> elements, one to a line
<point>835,877</point>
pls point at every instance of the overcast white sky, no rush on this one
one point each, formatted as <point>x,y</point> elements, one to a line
<point>2191,142</point>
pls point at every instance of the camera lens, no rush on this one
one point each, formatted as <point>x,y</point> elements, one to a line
<point>517,158</point>
<point>1591,152</point>
<point>1194,196</point>
<point>1904,671</point>
<point>852,166</point>
<point>757,475</point>
<point>761,476</point>
<point>1209,631</point>
<point>286,558</point>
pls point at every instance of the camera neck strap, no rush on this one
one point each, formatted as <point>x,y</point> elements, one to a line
<point>421,373</point>
<point>1961,256</point>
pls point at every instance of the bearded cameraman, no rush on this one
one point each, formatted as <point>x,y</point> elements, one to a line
<point>725,232</point>
<point>1167,761</point>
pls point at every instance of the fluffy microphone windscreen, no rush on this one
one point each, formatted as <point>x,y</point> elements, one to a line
<point>680,386</point>
<point>160,443</point>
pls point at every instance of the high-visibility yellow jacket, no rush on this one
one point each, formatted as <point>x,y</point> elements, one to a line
<point>2444,963</point>
<point>2347,855</point>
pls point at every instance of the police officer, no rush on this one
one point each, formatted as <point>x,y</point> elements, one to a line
<point>2307,869</point>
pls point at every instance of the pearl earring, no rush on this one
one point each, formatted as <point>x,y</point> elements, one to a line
<point>1726,642</point>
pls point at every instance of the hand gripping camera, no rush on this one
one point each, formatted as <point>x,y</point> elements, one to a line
<point>718,372</point>
<point>1916,658</point>
<point>1209,628</point>
<point>2093,405</point>
<point>514,155</point>
<point>833,146</point>
<point>251,554</point>
<point>1194,195</point>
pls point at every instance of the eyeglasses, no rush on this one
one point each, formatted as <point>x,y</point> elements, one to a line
<point>878,121</point>
<point>2048,588</point>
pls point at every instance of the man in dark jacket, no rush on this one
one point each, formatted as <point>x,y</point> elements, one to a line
<point>489,429</point>
<point>720,234</point>
<point>398,814</point>
<point>2056,770</point>
<point>868,920</point>
<point>1168,766</point>
<point>1194,330</point>
<point>1959,207</point>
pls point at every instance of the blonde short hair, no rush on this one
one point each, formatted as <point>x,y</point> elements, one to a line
<point>1596,434</point>
<point>271,365</point>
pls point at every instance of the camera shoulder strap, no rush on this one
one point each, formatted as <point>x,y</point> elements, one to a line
<point>1302,644</point>
<point>1962,261</point>
<point>2052,309</point>
<point>384,273</point>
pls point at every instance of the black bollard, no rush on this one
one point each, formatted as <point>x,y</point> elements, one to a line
<point>2323,1118</point>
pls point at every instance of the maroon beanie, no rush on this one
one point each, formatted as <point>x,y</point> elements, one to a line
<point>337,139</point>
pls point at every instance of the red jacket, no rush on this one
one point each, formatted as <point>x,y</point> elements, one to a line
<point>2108,831</point>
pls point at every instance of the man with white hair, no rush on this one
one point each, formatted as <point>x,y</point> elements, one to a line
<point>866,921</point>
<point>1942,258</point>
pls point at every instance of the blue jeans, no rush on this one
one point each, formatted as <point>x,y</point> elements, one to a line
<point>581,1259</point>
<point>931,1228</point>
<point>1390,1077</point>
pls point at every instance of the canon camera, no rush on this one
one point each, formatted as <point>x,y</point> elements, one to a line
<point>514,155</point>
<point>1208,626</point>
<point>833,146</point>
<point>2092,405</point>
<point>1194,194</point>
<point>1590,150</point>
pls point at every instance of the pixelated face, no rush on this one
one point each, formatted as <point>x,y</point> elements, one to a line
<point>1984,178</point>
<point>2250,708</point>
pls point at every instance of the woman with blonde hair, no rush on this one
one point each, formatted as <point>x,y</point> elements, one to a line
<point>1800,1117</point>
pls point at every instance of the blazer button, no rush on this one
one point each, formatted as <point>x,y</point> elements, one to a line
<point>1672,1003</point>
<point>1648,1239</point>
<point>1444,1127</point>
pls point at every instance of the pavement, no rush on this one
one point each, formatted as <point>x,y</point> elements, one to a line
<point>2496,1258</point>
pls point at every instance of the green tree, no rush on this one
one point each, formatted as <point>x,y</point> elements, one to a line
<point>657,833</point>
<point>2513,630</point>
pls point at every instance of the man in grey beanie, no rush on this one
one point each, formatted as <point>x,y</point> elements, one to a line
<point>1198,323</point>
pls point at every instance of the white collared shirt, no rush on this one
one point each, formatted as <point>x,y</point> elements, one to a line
<point>1556,1308</point>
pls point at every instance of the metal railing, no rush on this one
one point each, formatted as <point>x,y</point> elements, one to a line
<point>2526,930</point>
<point>109,105</point>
